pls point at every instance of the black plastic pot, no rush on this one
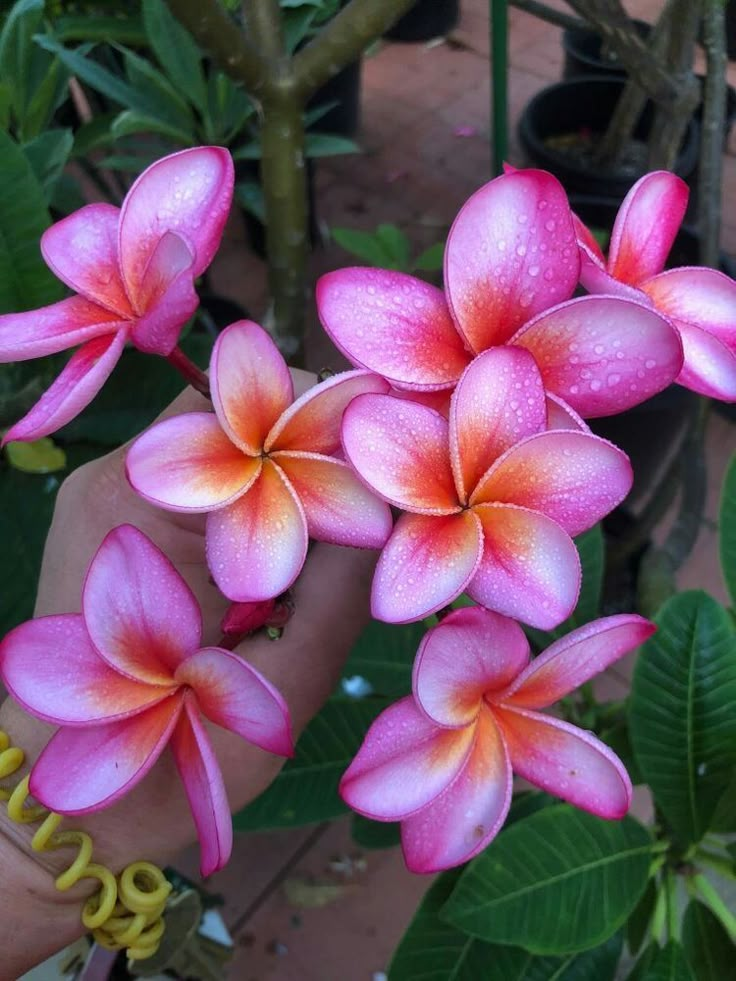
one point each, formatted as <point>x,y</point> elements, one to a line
<point>425,20</point>
<point>343,88</point>
<point>581,108</point>
<point>587,54</point>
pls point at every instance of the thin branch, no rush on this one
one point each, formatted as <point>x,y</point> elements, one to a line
<point>711,139</point>
<point>342,40</point>
<point>265,26</point>
<point>552,16</point>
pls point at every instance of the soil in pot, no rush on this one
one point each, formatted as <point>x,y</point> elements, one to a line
<point>561,125</point>
<point>586,53</point>
<point>427,19</point>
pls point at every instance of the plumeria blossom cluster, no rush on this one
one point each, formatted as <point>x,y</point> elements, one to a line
<point>465,412</point>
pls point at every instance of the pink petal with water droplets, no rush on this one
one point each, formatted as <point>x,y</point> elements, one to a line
<point>205,789</point>
<point>313,422</point>
<point>36,333</point>
<point>80,380</point>
<point>576,658</point>
<point>471,652</point>
<point>439,401</point>
<point>530,569</point>
<point>404,763</point>
<point>646,226</point>
<point>187,463</point>
<point>603,354</point>
<point>596,279</point>
<point>511,253</point>
<point>710,367</point>
<point>575,478</point>
<point>83,770</point>
<point>51,668</point>
<point>700,297</point>
<point>188,193</point>
<point>82,250</point>
<point>427,562</point>
<point>141,615</point>
<point>339,508</point>
<point>588,243</point>
<point>498,401</point>
<point>393,324</point>
<point>256,547</point>
<point>565,761</point>
<point>232,694</point>
<point>166,298</point>
<point>401,450</point>
<point>251,384</point>
<point>469,813</point>
<point>561,416</point>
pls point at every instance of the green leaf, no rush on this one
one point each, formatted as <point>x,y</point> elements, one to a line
<point>25,280</point>
<point>249,195</point>
<point>46,98</point>
<point>305,791</point>
<point>94,134</point>
<point>431,950</point>
<point>375,834</point>
<point>724,817</point>
<point>707,946</point>
<point>365,245</point>
<point>40,456</point>
<point>97,28</point>
<point>557,882</point>
<point>130,122</point>
<point>638,923</point>
<point>431,259</point>
<point>667,964</point>
<point>18,54</point>
<point>176,51</point>
<point>529,802</point>
<point>161,98</point>
<point>384,655</point>
<point>682,723</point>
<point>396,244</point>
<point>328,145</point>
<point>48,155</point>
<point>727,527</point>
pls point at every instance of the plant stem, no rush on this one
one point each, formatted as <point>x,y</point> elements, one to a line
<point>189,370</point>
<point>719,863</point>
<point>552,16</point>
<point>499,71</point>
<point>711,138</point>
<point>264,23</point>
<point>670,886</point>
<point>712,898</point>
<point>659,915</point>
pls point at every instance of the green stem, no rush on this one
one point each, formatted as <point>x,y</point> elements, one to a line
<point>499,75</point>
<point>189,370</point>
<point>712,899</point>
<point>656,927</point>
<point>670,888</point>
<point>719,863</point>
<point>264,24</point>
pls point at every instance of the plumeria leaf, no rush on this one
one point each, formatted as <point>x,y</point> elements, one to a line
<point>707,946</point>
<point>638,923</point>
<point>176,51</point>
<point>47,155</point>
<point>683,728</point>
<point>558,881</point>
<point>727,527</point>
<point>665,964</point>
<point>40,456</point>
<point>383,655</point>
<point>305,790</point>
<point>431,259</point>
<point>375,834</point>
<point>724,818</point>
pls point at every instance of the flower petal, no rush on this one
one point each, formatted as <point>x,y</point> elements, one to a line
<point>36,333</point>
<point>251,384</point>
<point>561,416</point>
<point>588,242</point>
<point>80,380</point>
<point>166,298</point>
<point>530,569</point>
<point>83,770</point>
<point>469,813</point>
<point>187,463</point>
<point>511,253</point>
<point>575,478</point>
<point>646,226</point>
<point>710,367</point>
<point>704,298</point>
<point>256,547</point>
<point>565,761</point>
<point>404,763</point>
<point>339,508</point>
<point>232,694</point>
<point>141,615</point>
<point>471,652</point>
<point>402,451</point>
<point>188,193</point>
<point>205,789</point>
<point>427,562</point>
<point>82,250</point>
<point>603,354</point>
<point>312,423</point>
<point>52,669</point>
<point>393,324</point>
<point>498,401</point>
<point>576,658</point>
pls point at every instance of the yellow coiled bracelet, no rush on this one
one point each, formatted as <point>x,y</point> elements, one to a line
<point>126,912</point>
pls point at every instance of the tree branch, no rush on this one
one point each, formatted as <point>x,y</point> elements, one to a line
<point>549,14</point>
<point>265,26</point>
<point>711,139</point>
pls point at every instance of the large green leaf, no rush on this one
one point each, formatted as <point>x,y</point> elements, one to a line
<point>727,528</point>
<point>666,964</point>
<point>708,948</point>
<point>638,923</point>
<point>305,790</point>
<point>682,720</point>
<point>558,881</point>
<point>724,816</point>
<point>25,280</point>
<point>432,950</point>
<point>48,154</point>
<point>383,655</point>
<point>176,51</point>
<point>20,61</point>
<point>164,101</point>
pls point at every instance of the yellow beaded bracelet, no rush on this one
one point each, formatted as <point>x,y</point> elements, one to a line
<point>126,912</point>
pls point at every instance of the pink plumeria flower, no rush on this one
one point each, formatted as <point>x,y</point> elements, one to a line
<point>263,465</point>
<point>441,762</point>
<point>699,302</point>
<point>128,676</point>
<point>133,269</point>
<point>511,266</point>
<point>493,497</point>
